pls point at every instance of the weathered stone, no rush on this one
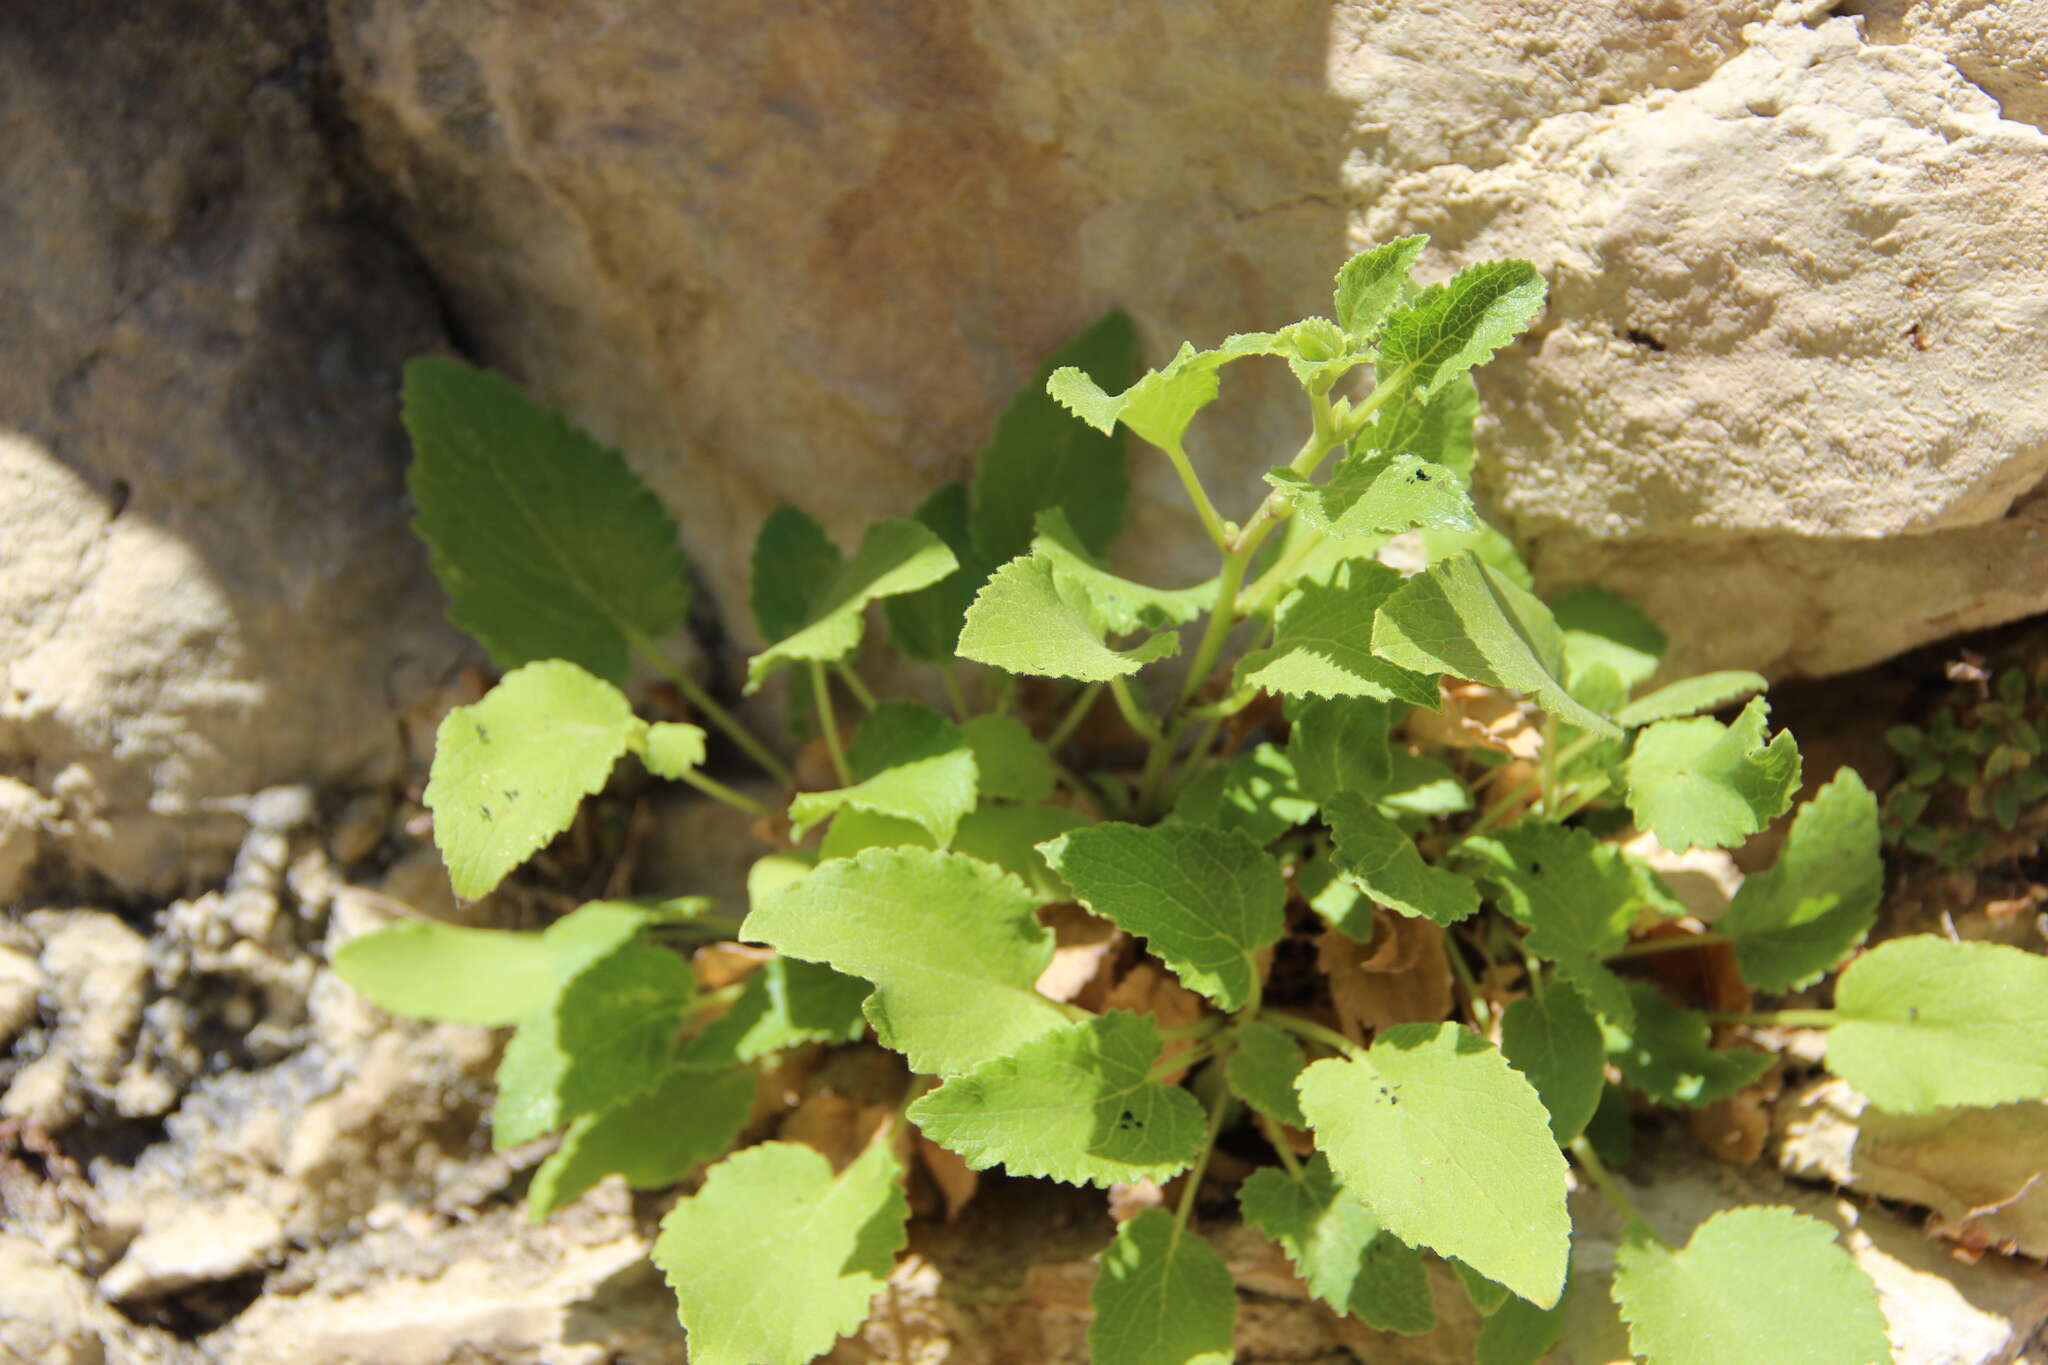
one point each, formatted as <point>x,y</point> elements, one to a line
<point>49,1315</point>
<point>216,1242</point>
<point>21,989</point>
<point>206,584</point>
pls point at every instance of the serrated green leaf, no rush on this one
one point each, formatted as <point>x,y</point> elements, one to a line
<point>1458,324</point>
<point>510,770</point>
<point>547,543</point>
<point>1753,1284</point>
<point>771,872</point>
<point>1162,1297</point>
<point>1668,1053</point>
<point>616,1022</point>
<point>1158,407</point>
<point>792,557</point>
<point>1335,897</point>
<point>1374,852</point>
<point>1419,786</point>
<point>1796,921</point>
<point>1340,744</point>
<point>926,624</point>
<point>1519,1333</point>
<point>428,970</point>
<point>531,1073</point>
<point>1338,1248</point>
<point>785,1003</point>
<point>1378,495</point>
<point>1073,1105</point>
<point>1485,1295</point>
<point>950,943</point>
<point>1264,1062</point>
<point>1605,629</point>
<point>913,764</point>
<point>1450,1148</point>
<point>652,1138</point>
<point>1372,282</point>
<point>774,1259</point>
<point>671,749</point>
<point>1204,900</point>
<point>1462,618</point>
<point>1323,638</point>
<point>1699,783</point>
<point>1006,835</point>
<point>1690,696</point>
<point>1437,428</point>
<point>1012,765</point>
<point>1039,458</point>
<point>1927,1023</point>
<point>1578,898</point>
<point>1122,605</point>
<point>1028,618</point>
<point>895,557</point>
<point>1255,792</point>
<point>1555,1041</point>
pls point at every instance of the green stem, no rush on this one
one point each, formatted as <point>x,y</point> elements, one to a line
<point>1276,506</point>
<point>1181,1061</point>
<point>718,791</point>
<point>1134,716</point>
<point>1196,752</point>
<point>956,696</point>
<point>1278,1139</point>
<point>1580,797</point>
<point>1547,767</point>
<point>854,685</point>
<point>1475,1004</point>
<point>1200,1029</point>
<point>1501,808</point>
<point>1188,1193</point>
<point>700,701</point>
<point>1676,943</point>
<point>1076,713</point>
<point>1222,616</point>
<point>1261,595</point>
<point>1205,509</point>
<point>1314,1032</point>
<point>1610,1188</point>
<point>1781,1018</point>
<point>1157,761</point>
<point>828,725</point>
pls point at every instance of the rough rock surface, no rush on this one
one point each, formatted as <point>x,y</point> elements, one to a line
<point>1797,333</point>
<point>206,584</point>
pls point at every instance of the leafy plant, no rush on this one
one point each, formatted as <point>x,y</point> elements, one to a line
<point>1974,776</point>
<point>1309,759</point>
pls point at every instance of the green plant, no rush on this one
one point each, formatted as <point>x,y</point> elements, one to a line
<point>1441,760</point>
<point>1973,774</point>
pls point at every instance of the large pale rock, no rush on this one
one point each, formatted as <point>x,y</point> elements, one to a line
<point>206,583</point>
<point>1792,388</point>
<point>1797,332</point>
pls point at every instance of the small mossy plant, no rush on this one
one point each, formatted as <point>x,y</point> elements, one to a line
<point>1254,782</point>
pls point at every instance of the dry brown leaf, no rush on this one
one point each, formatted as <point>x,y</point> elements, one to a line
<point>1150,989</point>
<point>718,965</point>
<point>1735,1129</point>
<point>1084,952</point>
<point>1401,977</point>
<point>836,1127</point>
<point>955,1179</point>
<point>1128,1199</point>
<point>1705,977</point>
<point>1476,716</point>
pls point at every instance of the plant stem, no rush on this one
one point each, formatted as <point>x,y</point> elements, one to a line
<point>1314,1032</point>
<point>1278,1140</point>
<point>1222,616</point>
<point>701,702</point>
<point>1133,716</point>
<point>1075,714</point>
<point>1260,596</point>
<point>1157,760</point>
<point>1475,1004</point>
<point>718,791</point>
<point>828,725</point>
<point>1204,509</point>
<point>956,696</point>
<point>1610,1188</point>
<point>1676,943</point>
<point>1189,1191</point>
<point>1780,1018</point>
<point>1196,752</point>
<point>854,685</point>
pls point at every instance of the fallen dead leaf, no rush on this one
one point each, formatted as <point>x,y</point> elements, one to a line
<point>718,965</point>
<point>1476,716</point>
<point>1401,977</point>
<point>955,1179</point>
<point>1150,989</point>
<point>1085,949</point>
<point>835,1127</point>
<point>1128,1199</point>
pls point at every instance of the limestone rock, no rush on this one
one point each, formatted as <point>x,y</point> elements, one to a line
<point>206,584</point>
<point>1794,352</point>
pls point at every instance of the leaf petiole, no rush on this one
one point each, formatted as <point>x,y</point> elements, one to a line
<point>828,724</point>
<point>1076,712</point>
<point>1779,1018</point>
<point>701,702</point>
<point>1148,729</point>
<point>718,791</point>
<point>1190,1191</point>
<point>1610,1188</point>
<point>854,685</point>
<point>1649,946</point>
<point>1205,509</point>
<point>1327,1038</point>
